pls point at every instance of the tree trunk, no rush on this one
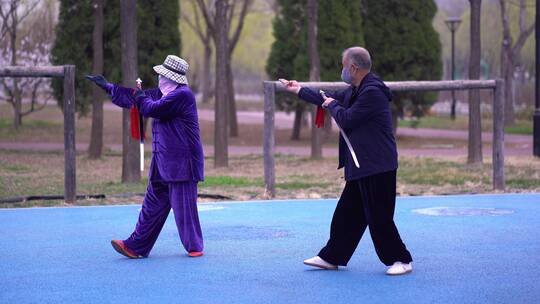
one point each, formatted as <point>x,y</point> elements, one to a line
<point>231,42</point>
<point>475,127</point>
<point>314,75</point>
<point>507,65</point>
<point>512,52</point>
<point>233,118</point>
<point>316,136</point>
<point>17,109</point>
<point>297,125</point>
<point>206,81</point>
<point>327,125</point>
<point>518,66</point>
<point>221,129</point>
<point>17,99</point>
<point>96,136</point>
<point>128,32</point>
<point>508,76</point>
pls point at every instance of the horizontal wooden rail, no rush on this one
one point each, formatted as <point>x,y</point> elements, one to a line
<point>37,71</point>
<point>398,86</point>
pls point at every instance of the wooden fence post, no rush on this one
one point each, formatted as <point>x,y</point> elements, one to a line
<point>70,183</point>
<point>269,140</point>
<point>498,135</point>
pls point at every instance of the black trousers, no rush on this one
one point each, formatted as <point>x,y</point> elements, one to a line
<point>369,201</point>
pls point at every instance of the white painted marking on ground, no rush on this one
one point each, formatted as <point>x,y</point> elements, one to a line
<point>462,211</point>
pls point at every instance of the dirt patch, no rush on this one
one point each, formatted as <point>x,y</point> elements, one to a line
<point>32,173</point>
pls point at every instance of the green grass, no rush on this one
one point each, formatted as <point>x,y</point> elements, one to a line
<point>23,186</point>
<point>230,181</point>
<point>34,128</point>
<point>33,173</point>
<point>433,172</point>
<point>302,181</point>
<point>14,168</point>
<point>29,124</point>
<point>524,127</point>
<point>435,122</point>
<point>436,172</point>
<point>297,185</point>
<point>296,182</point>
<point>30,204</point>
<point>114,187</point>
<point>523,183</point>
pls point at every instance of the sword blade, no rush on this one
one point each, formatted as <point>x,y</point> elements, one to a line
<point>141,128</point>
<point>142,156</point>
<point>347,141</point>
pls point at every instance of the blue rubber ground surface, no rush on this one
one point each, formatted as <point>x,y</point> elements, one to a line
<point>254,254</point>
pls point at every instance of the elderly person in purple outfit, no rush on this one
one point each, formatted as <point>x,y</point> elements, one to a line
<point>177,163</point>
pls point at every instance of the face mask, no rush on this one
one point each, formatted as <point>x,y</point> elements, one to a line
<point>346,75</point>
<point>166,85</point>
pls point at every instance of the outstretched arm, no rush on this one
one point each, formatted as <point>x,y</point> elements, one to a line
<point>310,95</point>
<point>125,97</point>
<point>121,96</point>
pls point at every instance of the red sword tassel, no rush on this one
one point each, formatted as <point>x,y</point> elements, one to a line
<point>134,123</point>
<point>319,117</point>
<point>136,120</point>
<point>137,126</point>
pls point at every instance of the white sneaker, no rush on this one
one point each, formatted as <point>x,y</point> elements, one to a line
<point>320,263</point>
<point>399,268</point>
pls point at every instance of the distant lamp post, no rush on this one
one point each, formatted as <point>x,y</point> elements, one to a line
<point>453,24</point>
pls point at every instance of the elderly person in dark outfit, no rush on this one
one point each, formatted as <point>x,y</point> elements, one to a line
<point>363,111</point>
<point>177,158</point>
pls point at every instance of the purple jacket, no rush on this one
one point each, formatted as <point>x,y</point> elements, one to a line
<point>176,144</point>
<point>364,114</point>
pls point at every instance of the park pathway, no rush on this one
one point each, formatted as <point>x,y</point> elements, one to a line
<point>257,150</point>
<point>521,145</point>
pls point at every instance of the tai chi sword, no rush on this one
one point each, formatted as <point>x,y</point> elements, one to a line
<point>347,141</point>
<point>141,129</point>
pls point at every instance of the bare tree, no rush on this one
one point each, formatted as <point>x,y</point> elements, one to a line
<point>12,14</point>
<point>236,11</point>
<point>218,16</point>
<point>128,36</point>
<point>221,154</point>
<point>205,37</point>
<point>475,118</point>
<point>327,126</point>
<point>314,74</point>
<point>298,120</point>
<point>510,54</point>
<point>96,136</point>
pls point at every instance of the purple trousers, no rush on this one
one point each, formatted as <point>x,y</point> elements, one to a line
<point>160,197</point>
